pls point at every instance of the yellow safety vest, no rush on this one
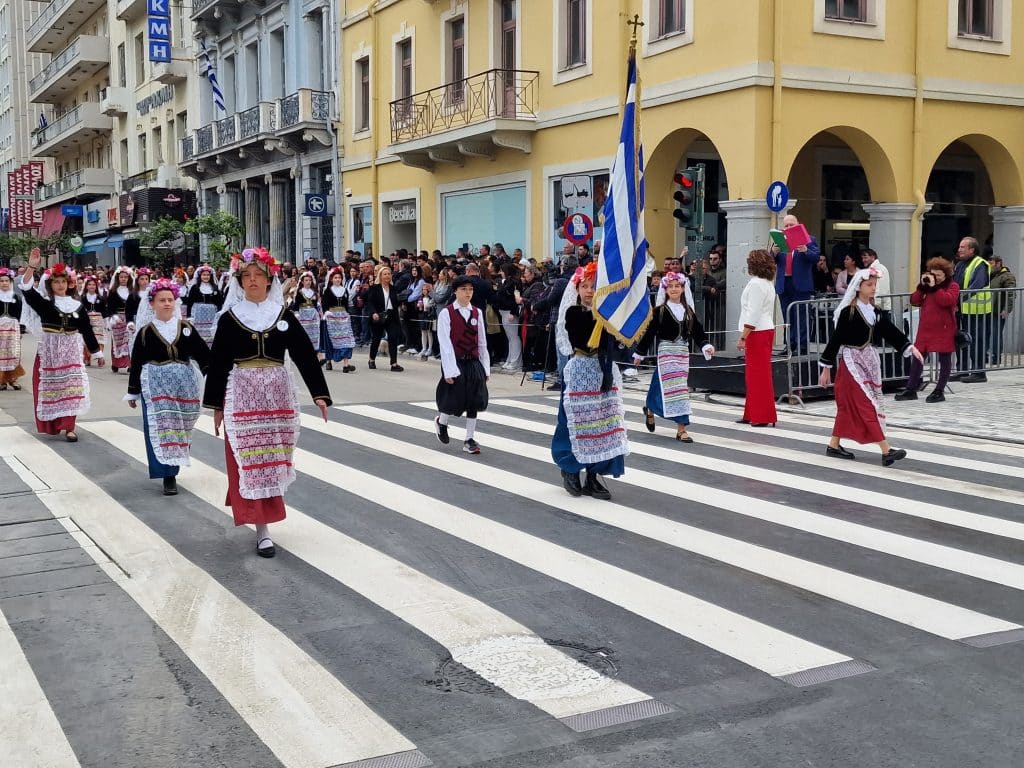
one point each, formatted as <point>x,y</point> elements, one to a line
<point>979,302</point>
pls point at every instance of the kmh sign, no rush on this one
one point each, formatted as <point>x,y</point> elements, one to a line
<point>159,26</point>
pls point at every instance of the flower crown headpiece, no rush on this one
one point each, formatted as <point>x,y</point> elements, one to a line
<point>163,284</point>
<point>144,272</point>
<point>5,272</point>
<point>60,270</point>
<point>260,257</point>
<point>204,268</point>
<point>588,272</point>
<point>674,277</point>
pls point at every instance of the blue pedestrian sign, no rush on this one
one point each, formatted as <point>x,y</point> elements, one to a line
<point>316,205</point>
<point>777,197</point>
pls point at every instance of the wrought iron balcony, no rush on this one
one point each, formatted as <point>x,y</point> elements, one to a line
<point>86,56</point>
<point>188,149</point>
<point>82,124</point>
<point>87,183</point>
<point>305,107</point>
<point>258,120</point>
<point>57,25</point>
<point>238,139</point>
<point>469,117</point>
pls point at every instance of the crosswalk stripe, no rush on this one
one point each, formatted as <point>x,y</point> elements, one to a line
<point>300,711</point>
<point>31,736</point>
<point>870,498</point>
<point>756,644</point>
<point>474,633</point>
<point>915,610</point>
<point>715,412</point>
<point>917,550</point>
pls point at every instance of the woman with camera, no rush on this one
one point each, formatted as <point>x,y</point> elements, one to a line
<point>938,296</point>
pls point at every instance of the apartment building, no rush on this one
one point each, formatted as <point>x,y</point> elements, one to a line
<point>18,116</point>
<point>470,121</point>
<point>74,133</point>
<point>273,144</point>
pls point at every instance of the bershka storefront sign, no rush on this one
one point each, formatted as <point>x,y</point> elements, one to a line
<point>399,213</point>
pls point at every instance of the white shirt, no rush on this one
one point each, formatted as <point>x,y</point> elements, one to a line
<point>449,363</point>
<point>258,317</point>
<point>7,296</point>
<point>123,292</point>
<point>882,300</point>
<point>868,311</point>
<point>757,305</point>
<point>205,288</point>
<point>168,329</point>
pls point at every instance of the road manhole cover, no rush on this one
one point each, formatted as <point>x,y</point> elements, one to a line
<point>526,667</point>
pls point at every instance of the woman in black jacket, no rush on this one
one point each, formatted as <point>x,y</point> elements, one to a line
<point>508,292</point>
<point>382,310</point>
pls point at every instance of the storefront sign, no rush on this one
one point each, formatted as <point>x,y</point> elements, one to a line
<point>159,26</point>
<point>21,185</point>
<point>172,199</point>
<point>154,100</point>
<point>399,213</point>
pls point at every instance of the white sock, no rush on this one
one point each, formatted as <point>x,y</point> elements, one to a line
<point>443,418</point>
<point>262,532</point>
<point>470,428</point>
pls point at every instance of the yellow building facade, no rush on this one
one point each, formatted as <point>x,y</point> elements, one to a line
<point>894,122</point>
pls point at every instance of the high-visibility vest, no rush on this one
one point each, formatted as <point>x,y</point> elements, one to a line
<point>979,302</point>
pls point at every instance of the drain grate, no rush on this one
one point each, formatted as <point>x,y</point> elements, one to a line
<point>411,759</point>
<point>995,638</point>
<point>626,713</point>
<point>828,673</point>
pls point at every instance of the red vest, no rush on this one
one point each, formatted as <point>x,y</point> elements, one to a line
<point>464,335</point>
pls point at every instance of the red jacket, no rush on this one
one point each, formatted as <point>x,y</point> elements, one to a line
<point>937,325</point>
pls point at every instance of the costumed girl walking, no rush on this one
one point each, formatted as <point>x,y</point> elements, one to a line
<point>859,413</point>
<point>339,341</point>
<point>117,319</point>
<point>252,393</point>
<point>95,306</point>
<point>163,378</point>
<point>60,385</point>
<point>306,307</point>
<point>465,364</point>
<point>203,302</point>
<point>677,330</point>
<point>591,430</point>
<point>138,303</point>
<point>10,332</point>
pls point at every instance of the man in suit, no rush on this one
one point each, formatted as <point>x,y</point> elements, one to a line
<point>794,281</point>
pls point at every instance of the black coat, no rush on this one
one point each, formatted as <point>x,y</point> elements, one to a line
<point>375,305</point>
<point>328,301</point>
<point>115,304</point>
<point>853,330</point>
<point>11,308</point>
<point>150,347</point>
<point>55,321</point>
<point>100,305</point>
<point>196,296</point>
<point>665,327</point>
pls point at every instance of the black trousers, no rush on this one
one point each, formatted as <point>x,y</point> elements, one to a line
<point>378,331</point>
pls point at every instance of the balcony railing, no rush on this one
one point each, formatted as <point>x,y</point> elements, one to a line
<point>305,106</point>
<point>93,49</point>
<point>74,183</point>
<point>226,131</point>
<point>45,135</point>
<point>259,119</point>
<point>204,139</point>
<point>188,149</point>
<point>62,32</point>
<point>495,94</point>
<point>138,181</point>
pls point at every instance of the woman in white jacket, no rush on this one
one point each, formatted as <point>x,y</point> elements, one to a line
<point>757,332</point>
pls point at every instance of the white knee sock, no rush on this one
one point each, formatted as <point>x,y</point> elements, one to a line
<point>443,418</point>
<point>470,428</point>
<point>262,532</point>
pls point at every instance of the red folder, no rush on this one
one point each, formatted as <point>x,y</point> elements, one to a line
<point>796,236</point>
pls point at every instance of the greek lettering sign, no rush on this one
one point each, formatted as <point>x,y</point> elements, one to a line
<point>159,25</point>
<point>155,100</point>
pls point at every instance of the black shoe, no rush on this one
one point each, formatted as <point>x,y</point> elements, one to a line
<point>571,481</point>
<point>596,488</point>
<point>906,394</point>
<point>397,368</point>
<point>471,446</point>
<point>974,378</point>
<point>556,387</point>
<point>170,486</point>
<point>330,367</point>
<point>839,453</point>
<point>936,397</point>
<point>764,424</point>
<point>113,369</point>
<point>648,419</point>
<point>441,430</point>
<point>267,551</point>
<point>894,455</point>
<point>348,369</point>
<point>371,365</point>
<point>742,421</point>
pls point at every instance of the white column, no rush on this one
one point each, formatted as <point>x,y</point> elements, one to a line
<point>748,224</point>
<point>252,216</point>
<point>890,239</point>
<point>278,211</point>
<point>1008,236</point>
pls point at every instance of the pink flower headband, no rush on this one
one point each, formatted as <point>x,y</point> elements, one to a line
<point>5,272</point>
<point>673,277</point>
<point>163,284</point>
<point>588,272</point>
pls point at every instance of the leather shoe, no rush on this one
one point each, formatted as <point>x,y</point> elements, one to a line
<point>267,551</point>
<point>596,488</point>
<point>935,397</point>
<point>764,424</point>
<point>974,378</point>
<point>648,419</point>
<point>906,394</point>
<point>170,486</point>
<point>571,481</point>
<point>742,421</point>
<point>839,453</point>
<point>894,455</point>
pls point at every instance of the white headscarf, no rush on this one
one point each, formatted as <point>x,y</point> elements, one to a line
<point>852,288</point>
<point>687,292</point>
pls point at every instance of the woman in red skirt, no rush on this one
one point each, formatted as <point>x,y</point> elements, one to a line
<point>251,392</point>
<point>859,413</point>
<point>757,333</point>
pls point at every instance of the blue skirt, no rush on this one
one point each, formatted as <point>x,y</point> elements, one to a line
<point>156,469</point>
<point>561,451</point>
<point>332,354</point>
<point>655,404</point>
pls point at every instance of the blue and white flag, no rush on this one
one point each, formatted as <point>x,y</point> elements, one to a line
<point>42,121</point>
<point>211,75</point>
<point>621,301</point>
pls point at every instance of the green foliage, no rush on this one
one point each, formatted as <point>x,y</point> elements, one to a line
<point>160,259</point>
<point>224,232</point>
<point>14,246</point>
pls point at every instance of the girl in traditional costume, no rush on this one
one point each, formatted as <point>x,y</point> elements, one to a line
<point>163,378</point>
<point>677,330</point>
<point>465,364</point>
<point>859,413</point>
<point>95,305</point>
<point>339,341</point>
<point>10,332</point>
<point>117,321</point>
<point>60,385</point>
<point>137,309</point>
<point>306,307</point>
<point>591,429</point>
<point>252,393</point>
<point>204,302</point>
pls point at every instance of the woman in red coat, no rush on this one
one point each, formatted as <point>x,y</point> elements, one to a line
<point>937,296</point>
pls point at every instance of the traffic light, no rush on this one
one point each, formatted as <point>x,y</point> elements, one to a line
<point>689,198</point>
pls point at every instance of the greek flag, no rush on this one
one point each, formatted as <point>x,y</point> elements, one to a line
<point>620,300</point>
<point>42,121</point>
<point>211,75</point>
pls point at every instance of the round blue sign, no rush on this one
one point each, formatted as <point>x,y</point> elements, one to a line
<point>777,197</point>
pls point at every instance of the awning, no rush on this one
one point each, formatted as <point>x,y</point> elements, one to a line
<point>93,244</point>
<point>53,221</point>
<point>115,241</point>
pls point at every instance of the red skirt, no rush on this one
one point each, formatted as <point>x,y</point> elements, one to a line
<point>759,407</point>
<point>856,417</point>
<point>249,511</point>
<point>54,426</point>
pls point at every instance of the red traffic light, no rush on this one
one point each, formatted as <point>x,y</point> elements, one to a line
<point>683,179</point>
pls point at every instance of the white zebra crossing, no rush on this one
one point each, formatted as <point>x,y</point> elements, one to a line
<point>299,710</point>
<point>924,613</point>
<point>466,627</point>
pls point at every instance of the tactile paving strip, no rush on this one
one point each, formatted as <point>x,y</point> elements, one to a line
<point>625,713</point>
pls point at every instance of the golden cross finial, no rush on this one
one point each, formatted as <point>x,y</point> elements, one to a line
<point>634,24</point>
